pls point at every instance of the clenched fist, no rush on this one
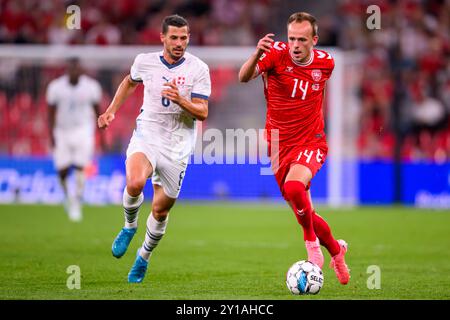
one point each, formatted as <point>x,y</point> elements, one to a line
<point>105,119</point>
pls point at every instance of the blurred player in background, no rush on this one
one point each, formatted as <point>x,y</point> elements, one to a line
<point>73,101</point>
<point>177,86</point>
<point>294,76</point>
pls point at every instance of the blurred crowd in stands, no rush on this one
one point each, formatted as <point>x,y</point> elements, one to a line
<point>405,89</point>
<point>113,22</point>
<point>405,73</point>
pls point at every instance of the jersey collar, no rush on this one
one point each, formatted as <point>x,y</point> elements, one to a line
<point>170,66</point>
<point>307,63</point>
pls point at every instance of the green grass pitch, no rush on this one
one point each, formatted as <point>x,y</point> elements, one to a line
<point>221,251</point>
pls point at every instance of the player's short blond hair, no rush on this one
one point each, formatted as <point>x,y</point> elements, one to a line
<point>304,16</point>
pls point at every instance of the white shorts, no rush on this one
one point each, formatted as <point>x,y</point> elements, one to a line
<point>73,147</point>
<point>167,172</point>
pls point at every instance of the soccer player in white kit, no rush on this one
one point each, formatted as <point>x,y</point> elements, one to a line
<point>73,101</point>
<point>177,86</point>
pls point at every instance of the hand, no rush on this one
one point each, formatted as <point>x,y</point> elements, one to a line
<point>172,92</point>
<point>105,119</point>
<point>265,44</point>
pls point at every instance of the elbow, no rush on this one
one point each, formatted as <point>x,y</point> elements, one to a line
<point>202,116</point>
<point>242,78</point>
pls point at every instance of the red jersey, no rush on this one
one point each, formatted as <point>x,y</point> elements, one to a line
<point>294,94</point>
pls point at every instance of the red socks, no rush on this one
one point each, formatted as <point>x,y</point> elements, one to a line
<point>323,232</point>
<point>295,193</point>
<point>313,225</point>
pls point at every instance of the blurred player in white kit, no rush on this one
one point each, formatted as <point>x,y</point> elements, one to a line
<point>177,86</point>
<point>73,101</point>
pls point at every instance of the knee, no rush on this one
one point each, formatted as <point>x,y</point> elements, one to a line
<point>135,186</point>
<point>293,190</point>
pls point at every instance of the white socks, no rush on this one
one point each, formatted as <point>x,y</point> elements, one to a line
<point>131,207</point>
<point>155,231</point>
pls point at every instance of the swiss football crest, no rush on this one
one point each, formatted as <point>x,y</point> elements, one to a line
<point>316,75</point>
<point>181,80</point>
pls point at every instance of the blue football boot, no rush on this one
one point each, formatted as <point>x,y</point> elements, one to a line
<point>121,242</point>
<point>138,270</point>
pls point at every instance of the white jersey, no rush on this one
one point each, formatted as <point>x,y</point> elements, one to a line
<point>74,102</point>
<point>161,122</point>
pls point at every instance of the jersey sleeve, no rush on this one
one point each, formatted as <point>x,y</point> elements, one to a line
<point>329,66</point>
<point>326,61</point>
<point>202,84</point>
<point>51,94</point>
<point>135,71</point>
<point>265,62</point>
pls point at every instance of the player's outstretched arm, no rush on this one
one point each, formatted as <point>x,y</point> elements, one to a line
<point>248,70</point>
<point>126,88</point>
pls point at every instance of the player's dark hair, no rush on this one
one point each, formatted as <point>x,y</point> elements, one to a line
<point>174,21</point>
<point>304,16</point>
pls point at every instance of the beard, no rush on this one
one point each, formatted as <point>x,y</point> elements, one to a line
<point>176,54</point>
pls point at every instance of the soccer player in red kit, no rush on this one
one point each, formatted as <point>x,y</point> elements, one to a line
<point>294,75</point>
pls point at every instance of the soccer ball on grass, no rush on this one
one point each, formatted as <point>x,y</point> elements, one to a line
<point>304,277</point>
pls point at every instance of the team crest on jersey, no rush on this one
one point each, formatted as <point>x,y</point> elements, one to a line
<point>289,69</point>
<point>180,81</point>
<point>316,74</point>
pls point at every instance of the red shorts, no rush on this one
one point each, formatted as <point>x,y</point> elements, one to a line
<point>312,157</point>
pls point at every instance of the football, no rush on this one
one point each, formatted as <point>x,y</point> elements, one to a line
<point>304,277</point>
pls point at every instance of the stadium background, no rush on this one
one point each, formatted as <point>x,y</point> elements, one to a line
<point>402,91</point>
<point>394,107</point>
